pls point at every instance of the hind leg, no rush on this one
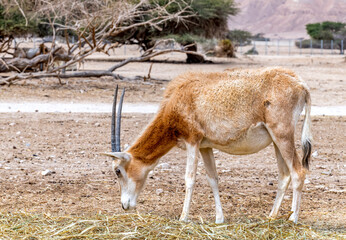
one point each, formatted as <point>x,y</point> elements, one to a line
<point>190,178</point>
<point>298,176</point>
<point>284,140</point>
<point>284,180</point>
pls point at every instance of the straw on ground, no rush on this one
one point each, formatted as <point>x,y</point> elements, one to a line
<point>136,226</point>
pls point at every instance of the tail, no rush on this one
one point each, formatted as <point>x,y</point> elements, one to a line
<point>306,133</point>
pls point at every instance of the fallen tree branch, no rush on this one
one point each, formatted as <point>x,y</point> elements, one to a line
<point>21,64</point>
<point>144,58</point>
<point>109,72</point>
<point>25,76</point>
<point>20,77</point>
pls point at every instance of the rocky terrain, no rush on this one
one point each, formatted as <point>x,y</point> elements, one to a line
<point>285,18</point>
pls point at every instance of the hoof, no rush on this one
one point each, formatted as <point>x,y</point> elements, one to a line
<point>220,221</point>
<point>183,219</point>
<point>293,219</point>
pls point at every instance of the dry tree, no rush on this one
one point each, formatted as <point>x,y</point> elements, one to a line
<point>95,23</point>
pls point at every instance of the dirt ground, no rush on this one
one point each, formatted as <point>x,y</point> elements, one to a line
<point>69,144</point>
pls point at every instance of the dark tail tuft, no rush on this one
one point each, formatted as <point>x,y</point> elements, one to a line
<point>307,153</point>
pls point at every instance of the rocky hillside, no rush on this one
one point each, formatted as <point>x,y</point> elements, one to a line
<point>285,18</point>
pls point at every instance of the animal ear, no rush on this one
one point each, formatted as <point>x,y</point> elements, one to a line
<point>118,155</point>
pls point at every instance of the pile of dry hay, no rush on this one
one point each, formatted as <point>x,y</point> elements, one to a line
<point>135,226</point>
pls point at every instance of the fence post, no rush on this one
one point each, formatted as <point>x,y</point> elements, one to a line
<point>342,46</point>
<point>300,46</point>
<point>321,46</point>
<point>241,47</point>
<point>266,47</point>
<point>331,46</point>
<point>310,46</point>
<point>277,49</point>
<point>289,47</point>
<point>125,49</point>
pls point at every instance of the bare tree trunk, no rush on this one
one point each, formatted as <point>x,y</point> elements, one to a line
<point>194,58</point>
<point>22,64</point>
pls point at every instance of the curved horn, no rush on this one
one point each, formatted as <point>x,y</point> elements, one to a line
<point>113,130</point>
<point>117,130</point>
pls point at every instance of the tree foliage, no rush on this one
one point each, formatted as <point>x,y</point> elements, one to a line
<point>208,20</point>
<point>94,22</point>
<point>239,37</point>
<point>325,30</point>
<point>12,22</point>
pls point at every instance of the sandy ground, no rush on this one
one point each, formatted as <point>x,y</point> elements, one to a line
<point>69,144</point>
<point>325,76</point>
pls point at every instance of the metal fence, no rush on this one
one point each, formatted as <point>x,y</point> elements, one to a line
<point>256,46</point>
<point>293,47</point>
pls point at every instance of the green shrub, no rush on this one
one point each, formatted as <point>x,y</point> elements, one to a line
<point>12,22</point>
<point>239,37</point>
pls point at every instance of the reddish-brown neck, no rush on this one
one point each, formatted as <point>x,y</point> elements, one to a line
<point>158,138</point>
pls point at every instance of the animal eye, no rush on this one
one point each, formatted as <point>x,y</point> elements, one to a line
<point>118,172</point>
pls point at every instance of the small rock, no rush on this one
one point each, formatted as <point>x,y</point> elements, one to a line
<point>320,166</point>
<point>9,156</point>
<point>337,190</point>
<point>18,132</point>
<point>12,124</point>
<point>314,154</point>
<point>163,166</point>
<point>271,184</point>
<point>287,197</point>
<point>159,191</point>
<point>97,124</point>
<point>306,181</point>
<point>7,168</point>
<point>46,172</point>
<point>329,173</point>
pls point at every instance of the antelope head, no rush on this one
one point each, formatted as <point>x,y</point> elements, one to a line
<point>130,175</point>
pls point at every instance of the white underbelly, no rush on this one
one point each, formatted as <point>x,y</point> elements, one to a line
<point>255,139</point>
